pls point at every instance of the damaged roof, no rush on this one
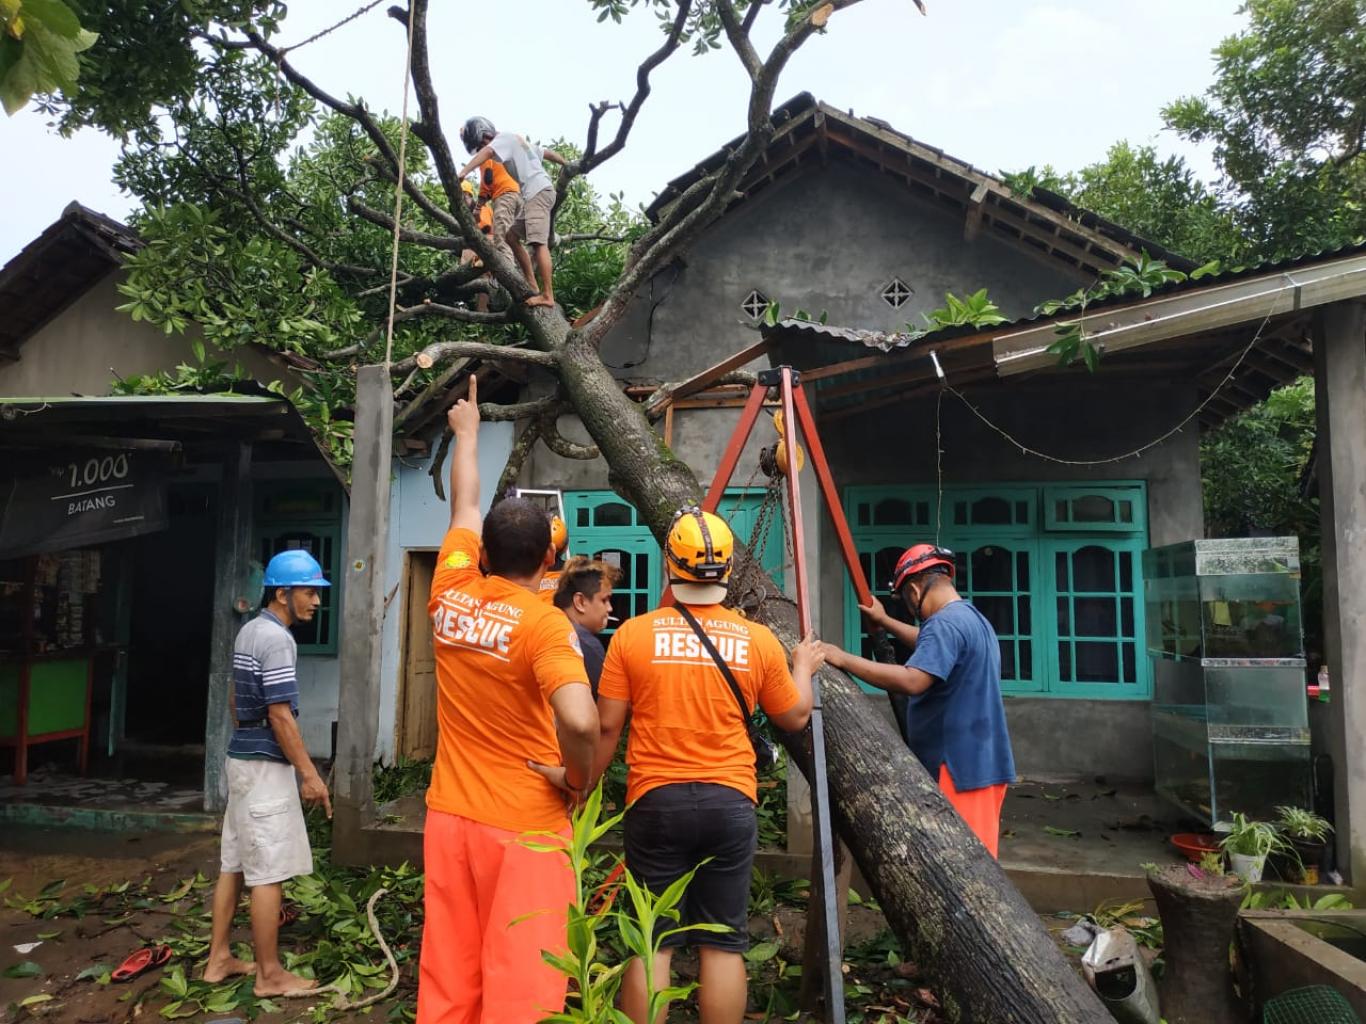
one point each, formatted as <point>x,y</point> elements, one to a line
<point>809,131</point>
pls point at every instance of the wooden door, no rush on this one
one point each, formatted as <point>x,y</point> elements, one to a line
<point>417,674</point>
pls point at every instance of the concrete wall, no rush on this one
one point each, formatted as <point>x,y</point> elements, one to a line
<point>89,343</point>
<point>418,522</point>
<point>828,239</point>
<point>1077,418</point>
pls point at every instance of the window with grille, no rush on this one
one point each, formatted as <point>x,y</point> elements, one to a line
<point>754,304</point>
<point>605,527</point>
<point>896,293</point>
<point>305,516</point>
<point>1055,570</point>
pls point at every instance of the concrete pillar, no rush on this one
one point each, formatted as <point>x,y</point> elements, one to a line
<point>1340,391</point>
<point>362,625</point>
<point>231,558</point>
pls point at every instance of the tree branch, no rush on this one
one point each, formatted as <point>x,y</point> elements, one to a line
<point>467,316</point>
<point>512,469</point>
<point>537,408</point>
<point>574,237</point>
<point>561,445</point>
<point>680,225</point>
<point>440,383</point>
<point>436,352</point>
<point>376,217</point>
<point>356,112</point>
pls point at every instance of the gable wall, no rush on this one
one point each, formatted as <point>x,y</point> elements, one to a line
<point>74,352</point>
<point>828,239</point>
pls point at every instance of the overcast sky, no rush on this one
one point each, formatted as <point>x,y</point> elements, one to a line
<point>1001,83</point>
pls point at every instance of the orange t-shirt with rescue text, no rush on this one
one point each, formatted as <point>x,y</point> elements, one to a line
<point>550,583</point>
<point>494,181</point>
<point>500,654</point>
<point>685,725</point>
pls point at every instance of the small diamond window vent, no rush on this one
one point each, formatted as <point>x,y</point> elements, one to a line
<point>897,293</point>
<point>755,303</point>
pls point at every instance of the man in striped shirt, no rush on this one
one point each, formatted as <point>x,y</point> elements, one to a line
<point>265,840</point>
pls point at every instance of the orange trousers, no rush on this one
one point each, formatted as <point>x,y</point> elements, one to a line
<point>492,905</point>
<point>980,808</point>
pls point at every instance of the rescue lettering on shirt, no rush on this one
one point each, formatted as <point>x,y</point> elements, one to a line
<point>461,620</point>
<point>677,644</point>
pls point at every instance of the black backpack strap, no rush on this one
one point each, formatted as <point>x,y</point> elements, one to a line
<point>721,664</point>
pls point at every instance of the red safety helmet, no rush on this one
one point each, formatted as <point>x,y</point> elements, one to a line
<point>919,558</point>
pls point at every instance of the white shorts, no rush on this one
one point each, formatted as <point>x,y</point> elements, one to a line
<point>264,835</point>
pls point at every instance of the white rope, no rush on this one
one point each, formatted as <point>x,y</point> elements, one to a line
<point>370,1000</point>
<point>1026,450</point>
<point>398,194</point>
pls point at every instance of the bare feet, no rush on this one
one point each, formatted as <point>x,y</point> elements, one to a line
<point>281,983</point>
<point>222,968</point>
<point>540,300</point>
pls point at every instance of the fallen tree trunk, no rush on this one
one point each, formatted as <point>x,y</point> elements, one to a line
<point>948,901</point>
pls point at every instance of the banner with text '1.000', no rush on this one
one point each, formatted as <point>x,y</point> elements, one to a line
<point>75,499</point>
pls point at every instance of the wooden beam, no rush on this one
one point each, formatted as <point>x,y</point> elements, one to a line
<point>972,224</point>
<point>702,380</point>
<point>232,552</point>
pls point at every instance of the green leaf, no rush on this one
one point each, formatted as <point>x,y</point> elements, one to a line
<point>1064,833</point>
<point>96,972</point>
<point>35,1000</point>
<point>53,15</point>
<point>762,952</point>
<point>198,348</point>
<point>23,969</point>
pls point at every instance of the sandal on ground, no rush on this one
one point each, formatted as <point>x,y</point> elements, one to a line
<point>141,962</point>
<point>289,913</point>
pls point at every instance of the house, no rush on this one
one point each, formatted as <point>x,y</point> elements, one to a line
<point>1049,481</point>
<point>142,591</point>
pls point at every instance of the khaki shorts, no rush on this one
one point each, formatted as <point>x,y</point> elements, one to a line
<point>533,226</point>
<point>264,836</point>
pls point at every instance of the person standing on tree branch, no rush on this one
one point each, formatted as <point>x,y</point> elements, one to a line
<point>532,226</point>
<point>955,718</point>
<point>265,840</point>
<point>511,690</point>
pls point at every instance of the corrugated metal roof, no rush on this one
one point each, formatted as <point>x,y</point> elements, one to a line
<point>891,341</point>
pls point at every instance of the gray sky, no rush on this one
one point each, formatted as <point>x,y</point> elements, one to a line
<point>1000,83</point>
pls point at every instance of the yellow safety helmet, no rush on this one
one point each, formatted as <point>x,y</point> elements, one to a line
<point>467,187</point>
<point>559,533</point>
<point>700,549</point>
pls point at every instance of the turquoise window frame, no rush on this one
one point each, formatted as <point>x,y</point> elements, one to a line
<point>1141,686</point>
<point>738,506</point>
<point>1038,535</point>
<point>272,527</point>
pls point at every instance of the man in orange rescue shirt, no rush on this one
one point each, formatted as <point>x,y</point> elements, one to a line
<point>511,689</point>
<point>691,784</point>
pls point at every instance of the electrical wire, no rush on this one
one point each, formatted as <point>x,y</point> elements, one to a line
<point>1108,460</point>
<point>366,9</point>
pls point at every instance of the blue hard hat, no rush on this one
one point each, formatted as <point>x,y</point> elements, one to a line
<point>296,568</point>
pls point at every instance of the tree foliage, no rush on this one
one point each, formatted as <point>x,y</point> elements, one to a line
<point>1287,117</point>
<point>1159,199</point>
<point>40,44</point>
<point>1254,467</point>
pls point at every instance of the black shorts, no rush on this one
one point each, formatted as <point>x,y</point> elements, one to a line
<point>671,830</point>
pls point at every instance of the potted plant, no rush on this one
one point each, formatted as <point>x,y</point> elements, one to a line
<point>1308,834</point>
<point>1248,843</point>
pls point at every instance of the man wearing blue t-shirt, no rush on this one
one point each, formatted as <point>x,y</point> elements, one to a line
<point>268,770</point>
<point>955,718</point>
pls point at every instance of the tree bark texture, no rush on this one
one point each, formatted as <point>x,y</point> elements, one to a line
<point>948,901</point>
<point>1198,920</point>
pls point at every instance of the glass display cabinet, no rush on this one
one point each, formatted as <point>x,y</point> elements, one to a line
<point>1230,716</point>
